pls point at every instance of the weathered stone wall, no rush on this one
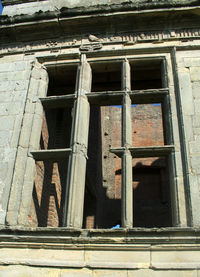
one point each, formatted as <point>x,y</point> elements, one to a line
<point>189,76</point>
<point>14,82</point>
<point>31,6</point>
<point>121,252</point>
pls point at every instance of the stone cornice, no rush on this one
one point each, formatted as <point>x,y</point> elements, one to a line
<point>15,2</point>
<point>128,40</point>
<point>174,24</point>
<point>66,11</point>
<point>134,4</point>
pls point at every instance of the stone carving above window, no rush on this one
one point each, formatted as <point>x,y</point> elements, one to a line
<point>127,39</point>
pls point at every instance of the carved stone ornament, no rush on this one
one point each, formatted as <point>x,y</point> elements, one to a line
<point>90,47</point>
<point>85,45</point>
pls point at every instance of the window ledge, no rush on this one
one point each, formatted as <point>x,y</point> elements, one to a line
<point>97,238</point>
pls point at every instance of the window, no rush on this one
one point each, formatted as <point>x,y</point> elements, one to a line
<point>106,148</point>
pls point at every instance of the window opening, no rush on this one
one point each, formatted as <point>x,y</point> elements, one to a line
<point>151,195</point>
<point>127,143</point>
<point>147,125</point>
<point>146,140</point>
<point>102,207</point>
<point>49,189</point>
<point>146,74</point>
<point>106,76</point>
<point>62,80</point>
<point>56,128</point>
<point>48,194</point>
<point>148,136</point>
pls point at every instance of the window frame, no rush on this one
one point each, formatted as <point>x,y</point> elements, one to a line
<point>73,218</point>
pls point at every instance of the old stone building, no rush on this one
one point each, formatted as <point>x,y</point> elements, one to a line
<point>100,138</point>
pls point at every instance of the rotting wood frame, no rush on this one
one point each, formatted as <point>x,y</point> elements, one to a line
<point>77,153</point>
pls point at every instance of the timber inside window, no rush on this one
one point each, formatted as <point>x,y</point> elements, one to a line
<point>106,147</point>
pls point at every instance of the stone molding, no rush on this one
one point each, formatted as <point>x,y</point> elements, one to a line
<point>131,4</point>
<point>161,249</point>
<point>15,2</point>
<point>168,237</point>
<point>84,44</point>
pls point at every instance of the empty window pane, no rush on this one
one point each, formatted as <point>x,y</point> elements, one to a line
<point>147,125</point>
<point>48,194</point>
<point>151,197</point>
<point>62,80</point>
<point>106,76</point>
<point>56,129</point>
<point>102,207</point>
<point>146,75</point>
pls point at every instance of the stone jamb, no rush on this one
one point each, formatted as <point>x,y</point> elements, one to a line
<point>22,184</point>
<point>177,190</point>
<point>186,102</point>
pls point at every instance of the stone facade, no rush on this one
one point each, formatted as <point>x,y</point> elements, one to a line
<point>99,125</point>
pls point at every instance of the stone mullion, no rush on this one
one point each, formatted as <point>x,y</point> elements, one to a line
<point>127,190</point>
<point>73,212</point>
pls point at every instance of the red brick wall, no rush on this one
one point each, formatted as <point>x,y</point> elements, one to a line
<point>148,173</point>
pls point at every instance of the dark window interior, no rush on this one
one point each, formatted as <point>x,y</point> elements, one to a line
<point>146,75</point>
<point>106,76</point>
<point>56,129</point>
<point>151,201</point>
<point>102,208</point>
<point>48,195</point>
<point>62,80</point>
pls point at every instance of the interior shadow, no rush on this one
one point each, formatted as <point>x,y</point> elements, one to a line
<point>49,194</point>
